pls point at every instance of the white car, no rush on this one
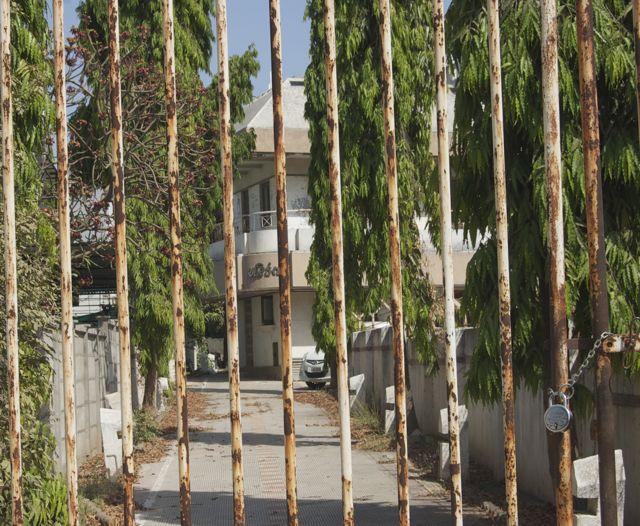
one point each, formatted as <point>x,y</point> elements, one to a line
<point>314,370</point>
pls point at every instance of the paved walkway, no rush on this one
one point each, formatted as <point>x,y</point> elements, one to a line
<point>318,468</point>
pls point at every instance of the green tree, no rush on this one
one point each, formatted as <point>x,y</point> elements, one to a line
<point>364,183</point>
<point>145,160</point>
<point>472,163</point>
<point>38,296</point>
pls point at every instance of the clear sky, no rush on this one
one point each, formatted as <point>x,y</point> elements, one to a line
<point>249,24</point>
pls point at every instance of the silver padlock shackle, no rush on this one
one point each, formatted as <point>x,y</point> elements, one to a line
<point>554,395</point>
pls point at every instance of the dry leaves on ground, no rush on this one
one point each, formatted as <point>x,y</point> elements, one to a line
<point>93,480</point>
<point>480,488</point>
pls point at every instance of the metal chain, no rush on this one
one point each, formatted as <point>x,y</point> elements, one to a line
<point>583,366</point>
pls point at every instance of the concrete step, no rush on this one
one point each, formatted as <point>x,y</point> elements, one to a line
<point>297,363</point>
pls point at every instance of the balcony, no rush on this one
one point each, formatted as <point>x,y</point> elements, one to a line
<point>256,233</point>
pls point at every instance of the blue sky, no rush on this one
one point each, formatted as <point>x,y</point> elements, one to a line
<point>249,24</point>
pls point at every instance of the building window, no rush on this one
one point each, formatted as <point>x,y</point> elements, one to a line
<point>244,204</point>
<point>266,303</point>
<point>265,197</point>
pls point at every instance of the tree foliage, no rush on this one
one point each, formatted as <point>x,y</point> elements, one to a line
<point>364,182</point>
<point>146,183</point>
<point>38,298</point>
<point>473,188</point>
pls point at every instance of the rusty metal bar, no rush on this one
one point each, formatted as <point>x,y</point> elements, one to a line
<point>396,265</point>
<point>173,172</point>
<point>284,270</point>
<point>337,257</point>
<point>122,280</point>
<point>636,38</point>
<point>447,262</point>
<point>68,374</point>
<point>561,442</point>
<point>597,258</point>
<point>618,343</point>
<point>621,343</point>
<point>231,293</point>
<point>10,268</point>
<point>502,241</point>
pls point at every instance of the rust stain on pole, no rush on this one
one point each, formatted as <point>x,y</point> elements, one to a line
<point>597,258</point>
<point>122,282</point>
<point>65,261</point>
<point>636,38</point>
<point>177,293</point>
<point>10,268</point>
<point>447,262</point>
<point>284,271</point>
<point>231,294</point>
<point>561,442</point>
<point>396,269</point>
<point>502,241</point>
<point>622,343</point>
<point>337,256</point>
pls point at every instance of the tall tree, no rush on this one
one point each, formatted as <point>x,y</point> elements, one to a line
<point>473,198</point>
<point>364,183</point>
<point>145,159</point>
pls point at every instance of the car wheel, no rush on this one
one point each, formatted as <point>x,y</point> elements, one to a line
<point>312,386</point>
<point>320,385</point>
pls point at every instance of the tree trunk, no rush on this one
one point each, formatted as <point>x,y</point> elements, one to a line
<point>412,418</point>
<point>334,371</point>
<point>135,399</point>
<point>150,383</point>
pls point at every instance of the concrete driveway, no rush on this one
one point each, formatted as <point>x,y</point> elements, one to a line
<point>318,469</point>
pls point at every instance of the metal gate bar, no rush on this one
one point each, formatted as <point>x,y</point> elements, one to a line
<point>597,258</point>
<point>636,38</point>
<point>560,442</point>
<point>502,239</point>
<point>337,257</point>
<point>231,293</point>
<point>447,262</point>
<point>122,282</point>
<point>177,293</point>
<point>284,270</point>
<point>66,314</point>
<point>10,266</point>
<point>396,265</point>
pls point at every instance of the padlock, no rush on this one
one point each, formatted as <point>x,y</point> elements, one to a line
<point>557,417</point>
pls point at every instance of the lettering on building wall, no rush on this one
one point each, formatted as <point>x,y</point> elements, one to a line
<point>260,271</point>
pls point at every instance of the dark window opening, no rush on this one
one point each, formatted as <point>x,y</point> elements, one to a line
<point>244,206</point>
<point>265,197</point>
<point>266,303</point>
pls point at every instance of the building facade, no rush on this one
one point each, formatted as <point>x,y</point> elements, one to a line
<point>255,224</point>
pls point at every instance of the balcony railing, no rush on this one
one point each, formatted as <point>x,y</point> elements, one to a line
<point>263,221</point>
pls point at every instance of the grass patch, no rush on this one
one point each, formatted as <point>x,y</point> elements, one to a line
<point>367,430</point>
